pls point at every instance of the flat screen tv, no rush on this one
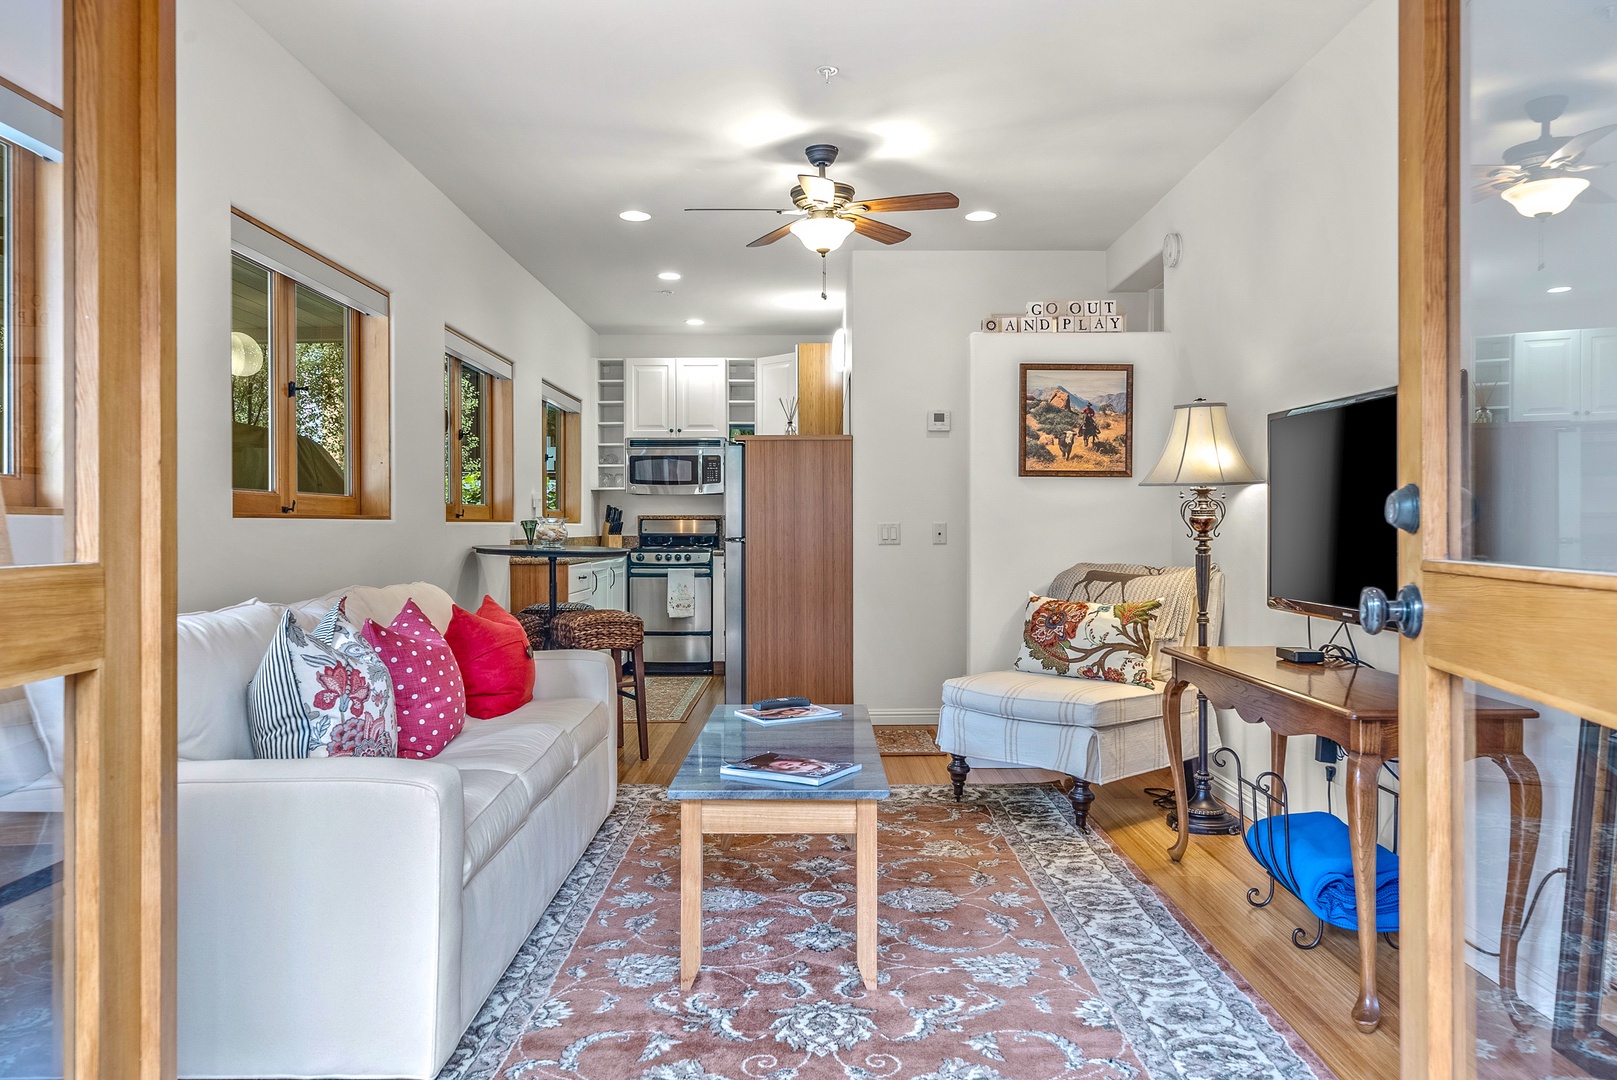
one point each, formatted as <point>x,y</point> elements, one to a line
<point>1331,468</point>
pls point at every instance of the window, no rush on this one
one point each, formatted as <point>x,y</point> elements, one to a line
<point>309,383</point>
<point>562,491</point>
<point>19,465</point>
<point>477,431</point>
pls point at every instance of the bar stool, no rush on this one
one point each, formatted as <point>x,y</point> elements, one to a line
<point>617,632</point>
<point>536,617</point>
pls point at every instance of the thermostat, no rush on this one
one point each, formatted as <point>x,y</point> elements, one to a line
<point>938,420</point>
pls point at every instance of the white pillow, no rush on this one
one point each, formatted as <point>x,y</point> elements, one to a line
<point>45,699</point>
<point>382,605</point>
<point>218,653</point>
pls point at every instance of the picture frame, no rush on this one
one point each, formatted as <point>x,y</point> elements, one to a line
<point>1075,420</point>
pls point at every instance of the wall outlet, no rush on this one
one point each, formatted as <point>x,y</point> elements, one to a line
<point>940,532</point>
<point>889,532</point>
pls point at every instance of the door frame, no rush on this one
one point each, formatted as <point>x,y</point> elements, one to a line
<point>106,620</point>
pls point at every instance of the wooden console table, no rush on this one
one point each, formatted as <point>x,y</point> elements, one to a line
<point>1357,707</point>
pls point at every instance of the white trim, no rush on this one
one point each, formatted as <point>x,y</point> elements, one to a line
<point>897,717</point>
<point>555,395</point>
<point>470,352</point>
<point>30,125</point>
<point>270,250</point>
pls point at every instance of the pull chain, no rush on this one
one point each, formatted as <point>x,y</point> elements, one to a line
<point>822,276</point>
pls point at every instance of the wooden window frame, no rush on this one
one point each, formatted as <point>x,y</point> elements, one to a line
<point>569,459</point>
<point>21,488</point>
<point>498,443</point>
<point>369,409</point>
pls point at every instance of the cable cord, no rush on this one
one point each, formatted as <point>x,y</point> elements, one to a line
<point>1528,918</point>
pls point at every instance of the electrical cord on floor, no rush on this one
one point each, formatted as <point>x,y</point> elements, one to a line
<point>1162,798</point>
<point>1526,919</point>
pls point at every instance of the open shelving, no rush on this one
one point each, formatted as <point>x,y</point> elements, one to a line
<point>610,460</point>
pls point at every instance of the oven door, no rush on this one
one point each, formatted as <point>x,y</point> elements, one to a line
<point>673,641</point>
<point>665,472</point>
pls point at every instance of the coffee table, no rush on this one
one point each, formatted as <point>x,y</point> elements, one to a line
<point>710,803</point>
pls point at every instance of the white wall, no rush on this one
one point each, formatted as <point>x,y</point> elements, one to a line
<point>911,315</point>
<point>256,130</point>
<point>31,47</point>
<point>1027,529</point>
<point>731,345</point>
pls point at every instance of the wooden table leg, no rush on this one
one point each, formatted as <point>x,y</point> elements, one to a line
<point>1171,695</point>
<point>865,883</point>
<point>690,891</point>
<point>1526,811</point>
<point>1361,807</point>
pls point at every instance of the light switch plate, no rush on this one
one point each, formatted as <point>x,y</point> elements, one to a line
<point>889,532</point>
<point>939,420</point>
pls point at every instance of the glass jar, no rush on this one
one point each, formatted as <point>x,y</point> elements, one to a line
<point>552,532</point>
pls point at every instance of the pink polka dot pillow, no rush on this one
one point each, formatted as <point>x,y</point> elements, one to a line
<point>427,689</point>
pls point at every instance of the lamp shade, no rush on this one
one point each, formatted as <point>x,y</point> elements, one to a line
<point>246,357</point>
<point>822,234</point>
<point>1548,196</point>
<point>1201,450</point>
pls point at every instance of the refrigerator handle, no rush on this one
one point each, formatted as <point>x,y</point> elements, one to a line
<point>735,539</point>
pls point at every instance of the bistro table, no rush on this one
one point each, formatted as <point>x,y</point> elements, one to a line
<point>523,551</point>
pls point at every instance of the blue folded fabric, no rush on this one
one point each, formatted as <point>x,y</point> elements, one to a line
<point>1320,870</point>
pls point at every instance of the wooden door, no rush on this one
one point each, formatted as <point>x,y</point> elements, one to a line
<point>101,612</point>
<point>701,398</point>
<point>1547,380</point>
<point>1600,374</point>
<point>648,387</point>
<point>1519,603</point>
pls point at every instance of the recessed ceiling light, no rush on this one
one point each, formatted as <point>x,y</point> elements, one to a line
<point>635,215</point>
<point>694,322</point>
<point>1560,288</point>
<point>981,215</point>
<point>669,275</point>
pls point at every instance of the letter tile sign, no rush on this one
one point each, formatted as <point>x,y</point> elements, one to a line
<point>1060,317</point>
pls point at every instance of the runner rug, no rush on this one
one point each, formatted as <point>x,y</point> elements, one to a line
<point>1011,948</point>
<point>670,698</point>
<point>907,740</point>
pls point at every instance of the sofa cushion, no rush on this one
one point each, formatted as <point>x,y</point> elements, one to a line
<point>47,701</point>
<point>492,651</point>
<point>216,654</point>
<point>335,630</point>
<point>384,604</point>
<point>1051,699</point>
<point>427,691</point>
<point>308,699</point>
<point>496,805</point>
<point>1175,586</point>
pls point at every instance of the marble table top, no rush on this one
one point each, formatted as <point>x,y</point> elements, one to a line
<point>727,737</point>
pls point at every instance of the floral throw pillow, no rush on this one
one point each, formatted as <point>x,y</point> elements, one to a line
<point>1109,642</point>
<point>309,699</point>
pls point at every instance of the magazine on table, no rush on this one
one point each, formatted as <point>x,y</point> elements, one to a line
<point>792,768</point>
<point>791,714</point>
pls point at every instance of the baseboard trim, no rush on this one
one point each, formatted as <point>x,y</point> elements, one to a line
<point>898,717</point>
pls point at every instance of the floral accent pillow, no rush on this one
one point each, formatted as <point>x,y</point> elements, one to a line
<point>427,687</point>
<point>309,699</point>
<point>337,631</point>
<point>1105,642</point>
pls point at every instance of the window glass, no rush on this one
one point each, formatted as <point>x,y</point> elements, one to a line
<point>7,379</point>
<point>472,428</point>
<point>250,374</point>
<point>322,373</point>
<point>554,427</point>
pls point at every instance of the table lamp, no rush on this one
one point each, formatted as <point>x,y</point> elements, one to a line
<point>1202,454</point>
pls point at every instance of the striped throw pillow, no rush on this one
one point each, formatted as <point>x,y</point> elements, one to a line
<point>312,698</point>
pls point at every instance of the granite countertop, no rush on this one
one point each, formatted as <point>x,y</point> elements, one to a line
<point>727,737</point>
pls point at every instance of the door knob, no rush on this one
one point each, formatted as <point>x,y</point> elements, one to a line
<point>1405,614</point>
<point>1402,509</point>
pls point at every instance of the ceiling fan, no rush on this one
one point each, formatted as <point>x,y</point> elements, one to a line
<point>1540,177</point>
<point>827,212</point>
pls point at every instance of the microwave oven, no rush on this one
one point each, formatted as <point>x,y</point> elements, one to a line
<point>675,467</point>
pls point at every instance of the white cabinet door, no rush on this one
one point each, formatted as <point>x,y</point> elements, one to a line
<point>648,389</point>
<point>1546,376</point>
<point>1600,374</point>
<point>777,382</point>
<point>701,395</point>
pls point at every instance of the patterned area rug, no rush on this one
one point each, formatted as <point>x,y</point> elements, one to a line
<point>907,741</point>
<point>1012,948</point>
<point>670,698</point>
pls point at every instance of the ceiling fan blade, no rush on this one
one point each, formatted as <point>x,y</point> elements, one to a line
<point>877,230</point>
<point>937,200</point>
<point>739,210</point>
<point>770,238</point>
<point>1575,147</point>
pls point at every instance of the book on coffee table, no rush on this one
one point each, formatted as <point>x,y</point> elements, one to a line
<point>792,768</point>
<point>790,715</point>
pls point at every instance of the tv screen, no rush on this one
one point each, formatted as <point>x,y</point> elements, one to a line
<point>1331,468</point>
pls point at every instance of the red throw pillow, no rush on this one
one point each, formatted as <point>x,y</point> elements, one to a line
<point>427,690</point>
<point>492,650</point>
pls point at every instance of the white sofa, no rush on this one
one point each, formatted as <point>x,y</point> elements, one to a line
<point>347,917</point>
<point>1095,732</point>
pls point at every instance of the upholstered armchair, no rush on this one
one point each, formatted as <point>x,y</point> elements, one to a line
<point>1095,732</point>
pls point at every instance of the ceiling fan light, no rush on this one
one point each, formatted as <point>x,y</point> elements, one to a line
<point>819,190</point>
<point>1550,195</point>
<point>822,234</point>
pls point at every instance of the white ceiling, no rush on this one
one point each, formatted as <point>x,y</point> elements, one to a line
<point>543,119</point>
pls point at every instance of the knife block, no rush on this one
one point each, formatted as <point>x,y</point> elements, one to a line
<point>612,540</point>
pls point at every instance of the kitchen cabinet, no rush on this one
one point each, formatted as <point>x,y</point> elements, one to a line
<point>1600,374</point>
<point>684,397</point>
<point>1563,375</point>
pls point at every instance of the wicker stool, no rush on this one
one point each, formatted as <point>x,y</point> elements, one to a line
<point>620,633</point>
<point>536,617</point>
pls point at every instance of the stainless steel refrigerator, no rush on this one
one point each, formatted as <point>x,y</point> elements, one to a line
<point>735,573</point>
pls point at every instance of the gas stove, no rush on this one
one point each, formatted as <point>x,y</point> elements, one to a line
<point>641,557</point>
<point>689,541</point>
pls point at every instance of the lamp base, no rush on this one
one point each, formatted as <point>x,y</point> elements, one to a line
<point>1208,817</point>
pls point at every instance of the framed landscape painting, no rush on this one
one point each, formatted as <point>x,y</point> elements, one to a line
<point>1076,420</point>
